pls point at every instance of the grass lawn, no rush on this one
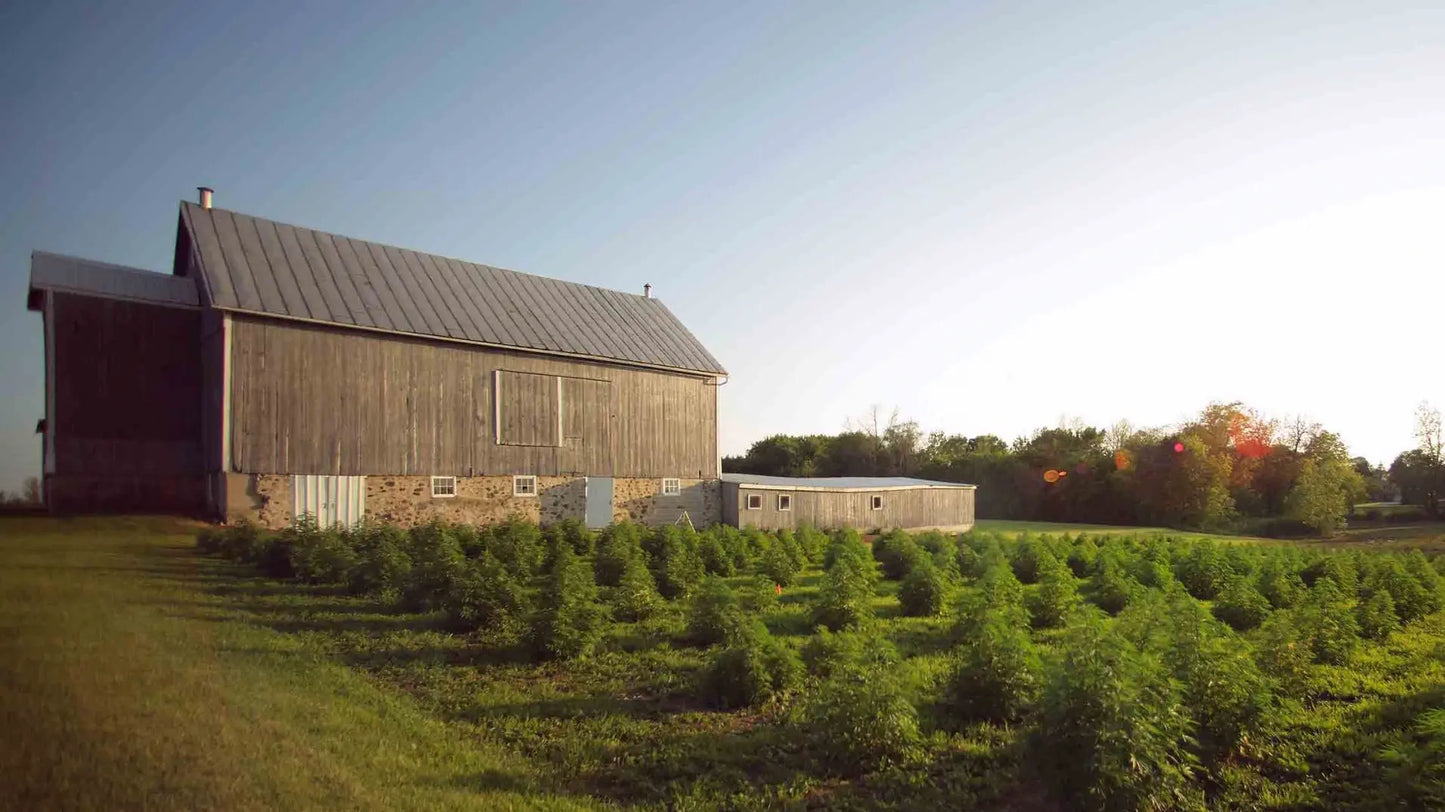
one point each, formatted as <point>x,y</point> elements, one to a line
<point>133,675</point>
<point>1013,528</point>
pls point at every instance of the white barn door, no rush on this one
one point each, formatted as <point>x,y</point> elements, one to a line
<point>330,500</point>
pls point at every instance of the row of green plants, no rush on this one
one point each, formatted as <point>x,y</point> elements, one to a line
<point>1142,669</point>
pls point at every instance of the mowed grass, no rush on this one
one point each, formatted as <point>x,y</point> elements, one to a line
<point>134,674</point>
<point>1008,527</point>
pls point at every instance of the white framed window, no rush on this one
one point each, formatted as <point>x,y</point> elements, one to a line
<point>785,501</point>
<point>671,487</point>
<point>755,501</point>
<point>877,502</point>
<point>443,487</point>
<point>524,486</point>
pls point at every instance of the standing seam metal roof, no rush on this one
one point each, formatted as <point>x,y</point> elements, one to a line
<point>261,266</point>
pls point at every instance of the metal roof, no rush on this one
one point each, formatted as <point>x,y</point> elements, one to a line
<point>86,276</point>
<point>260,266</point>
<point>837,483</point>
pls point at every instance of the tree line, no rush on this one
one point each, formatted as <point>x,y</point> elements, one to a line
<point>1230,467</point>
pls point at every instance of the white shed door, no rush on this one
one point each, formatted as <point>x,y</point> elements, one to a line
<point>330,500</point>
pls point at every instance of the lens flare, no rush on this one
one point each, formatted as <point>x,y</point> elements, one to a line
<point>1051,476</point>
<point>1122,460</point>
<point>1178,448</point>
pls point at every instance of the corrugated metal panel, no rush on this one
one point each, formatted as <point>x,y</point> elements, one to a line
<point>85,276</point>
<point>837,483</point>
<point>265,267</point>
<point>330,500</point>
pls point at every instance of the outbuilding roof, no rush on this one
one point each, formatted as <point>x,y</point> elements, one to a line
<point>57,272</point>
<point>253,265</point>
<point>837,483</point>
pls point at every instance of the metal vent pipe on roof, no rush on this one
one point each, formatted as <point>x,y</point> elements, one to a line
<point>206,193</point>
<point>647,291</point>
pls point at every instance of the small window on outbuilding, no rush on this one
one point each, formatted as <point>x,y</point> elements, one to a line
<point>877,502</point>
<point>443,487</point>
<point>671,487</point>
<point>755,501</point>
<point>785,501</point>
<point>524,486</point>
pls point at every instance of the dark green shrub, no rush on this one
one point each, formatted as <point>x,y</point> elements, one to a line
<point>970,563</point>
<point>243,542</point>
<point>1377,616</point>
<point>812,542</point>
<point>635,596</point>
<point>436,563</point>
<point>485,594</point>
<point>1284,655</point>
<point>752,671</point>
<point>211,541</point>
<point>1327,623</point>
<point>853,725</point>
<point>517,544</point>
<point>473,540</point>
<point>847,544</point>
<point>1204,570</point>
<point>997,594</point>
<point>320,556</point>
<point>845,599</point>
<point>573,531</point>
<point>1025,560</point>
<point>674,561</point>
<point>616,545</point>
<point>1338,567</point>
<point>1241,606</point>
<point>571,622</point>
<point>896,554</point>
<point>1279,584</point>
<point>789,544</point>
<point>1056,597</point>
<point>1081,557</point>
<point>716,558</point>
<point>995,674</point>
<point>382,563</point>
<point>924,592</point>
<point>715,615</point>
<point>1416,764</point>
<point>1222,687</point>
<point>758,595</point>
<point>1111,732</point>
<point>1110,588</point>
<point>828,654</point>
<point>777,565</point>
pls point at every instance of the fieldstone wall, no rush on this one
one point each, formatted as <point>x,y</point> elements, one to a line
<point>407,500</point>
<point>261,498</point>
<point>641,500</point>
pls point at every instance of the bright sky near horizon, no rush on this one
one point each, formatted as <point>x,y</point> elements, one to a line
<point>987,215</point>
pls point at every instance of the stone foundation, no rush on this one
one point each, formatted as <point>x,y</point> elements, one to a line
<point>407,501</point>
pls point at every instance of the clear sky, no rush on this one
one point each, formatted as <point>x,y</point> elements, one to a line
<point>987,215</point>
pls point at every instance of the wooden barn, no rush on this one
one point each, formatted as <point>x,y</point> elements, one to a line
<point>774,503</point>
<point>279,371</point>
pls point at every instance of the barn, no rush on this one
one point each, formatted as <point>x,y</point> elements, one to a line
<point>774,503</point>
<point>278,371</point>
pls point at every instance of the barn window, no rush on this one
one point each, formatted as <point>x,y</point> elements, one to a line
<point>524,486</point>
<point>443,487</point>
<point>671,487</point>
<point>785,501</point>
<point>755,501</point>
<point>877,502</point>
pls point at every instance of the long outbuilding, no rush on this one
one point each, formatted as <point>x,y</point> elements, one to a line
<point>775,503</point>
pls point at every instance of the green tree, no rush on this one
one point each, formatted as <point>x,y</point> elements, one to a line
<point>1327,487</point>
<point>924,590</point>
<point>995,675</point>
<point>1057,595</point>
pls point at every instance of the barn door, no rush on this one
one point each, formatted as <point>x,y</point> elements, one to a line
<point>599,501</point>
<point>331,500</point>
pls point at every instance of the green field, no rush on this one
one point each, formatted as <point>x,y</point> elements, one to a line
<point>135,672</point>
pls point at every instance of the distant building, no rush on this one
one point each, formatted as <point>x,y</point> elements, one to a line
<point>774,503</point>
<point>279,370</point>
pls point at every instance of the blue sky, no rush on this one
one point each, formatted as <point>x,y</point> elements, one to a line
<point>990,216</point>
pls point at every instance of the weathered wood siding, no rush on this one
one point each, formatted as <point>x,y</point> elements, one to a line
<point>308,399</point>
<point>906,508</point>
<point>127,388</point>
